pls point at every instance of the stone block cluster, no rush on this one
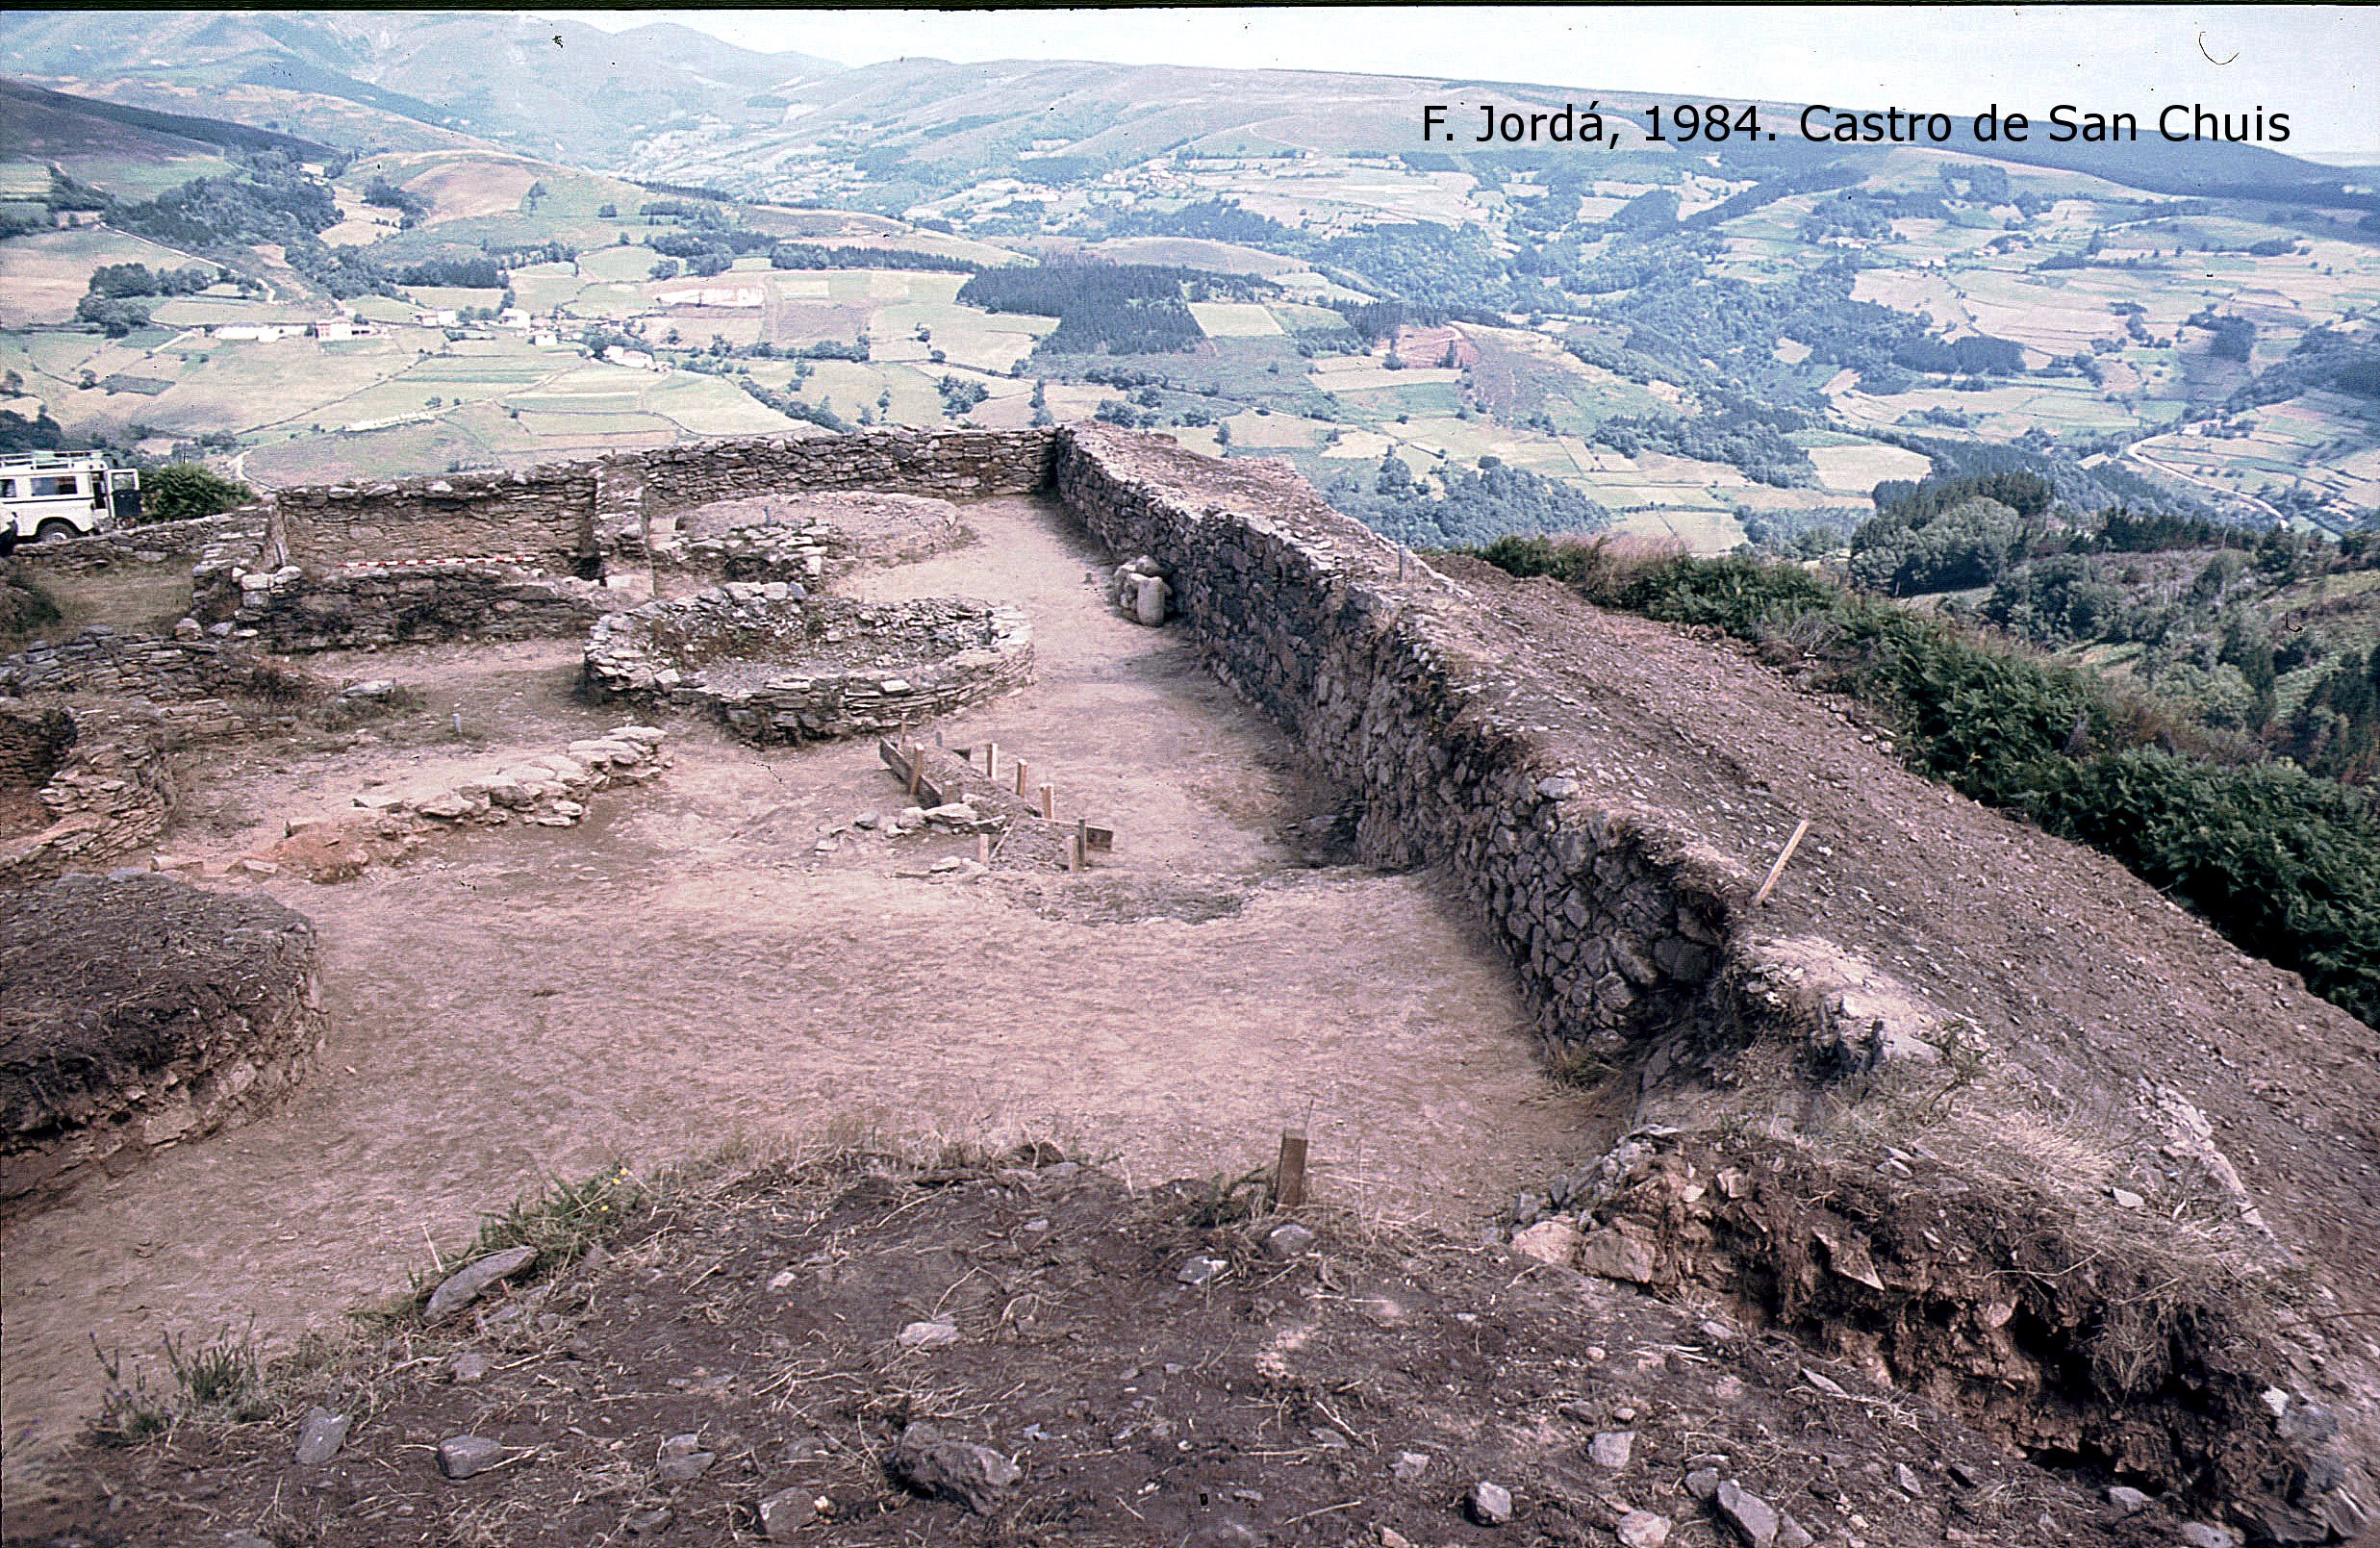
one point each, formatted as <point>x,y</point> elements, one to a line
<point>774,664</point>
<point>87,787</point>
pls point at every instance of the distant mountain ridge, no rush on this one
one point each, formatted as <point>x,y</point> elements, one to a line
<point>555,88</point>
<point>665,100</point>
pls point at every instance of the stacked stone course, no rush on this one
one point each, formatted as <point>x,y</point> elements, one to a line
<point>110,1055</point>
<point>701,654</point>
<point>101,782</point>
<point>294,609</point>
<point>543,514</point>
<point>159,542</point>
<point>1616,921</point>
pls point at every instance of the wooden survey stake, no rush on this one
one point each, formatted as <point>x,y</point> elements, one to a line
<point>1289,1173</point>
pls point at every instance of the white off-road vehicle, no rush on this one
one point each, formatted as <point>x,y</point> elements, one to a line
<point>50,494</point>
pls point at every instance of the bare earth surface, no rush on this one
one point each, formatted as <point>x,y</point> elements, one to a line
<point>1329,1387</point>
<point>686,972</point>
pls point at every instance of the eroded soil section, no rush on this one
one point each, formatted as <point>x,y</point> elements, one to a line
<point>746,1364</point>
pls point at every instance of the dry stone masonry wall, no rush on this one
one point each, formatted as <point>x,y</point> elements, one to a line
<point>776,664</point>
<point>543,516</point>
<point>104,789</point>
<point>159,542</point>
<point>1616,921</point>
<point>294,609</point>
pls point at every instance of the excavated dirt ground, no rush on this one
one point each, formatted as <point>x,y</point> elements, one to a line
<point>721,959</point>
<point>685,971</point>
<point>1351,1393</point>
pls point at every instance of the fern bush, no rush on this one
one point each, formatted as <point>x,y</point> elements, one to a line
<point>2281,863</point>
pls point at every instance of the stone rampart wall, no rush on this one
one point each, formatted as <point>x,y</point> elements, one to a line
<point>956,464</point>
<point>100,660</point>
<point>1616,921</point>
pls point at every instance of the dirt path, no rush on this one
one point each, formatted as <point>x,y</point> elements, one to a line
<point>686,970</point>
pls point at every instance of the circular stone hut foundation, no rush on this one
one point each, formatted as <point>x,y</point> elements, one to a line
<point>809,536</point>
<point>138,1012</point>
<point>776,664</point>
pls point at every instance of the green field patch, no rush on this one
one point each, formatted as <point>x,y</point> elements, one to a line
<point>1233,319</point>
<point>616,263</point>
<point>43,274</point>
<point>1272,430</point>
<point>1195,252</point>
<point>577,428</point>
<point>139,177</point>
<point>1416,400</point>
<point>404,451</point>
<point>1862,466</point>
<point>706,406</point>
<point>24,180</point>
<point>546,286</point>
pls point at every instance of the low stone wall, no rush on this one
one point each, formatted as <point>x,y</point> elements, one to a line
<point>107,790</point>
<point>776,665</point>
<point>156,543</point>
<point>542,516</point>
<point>805,536</point>
<point>164,668</point>
<point>35,743</point>
<point>952,464</point>
<point>294,608</point>
<point>1616,921</point>
<point>108,1054</point>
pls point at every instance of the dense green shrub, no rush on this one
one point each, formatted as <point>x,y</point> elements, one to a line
<point>2281,863</point>
<point>184,489</point>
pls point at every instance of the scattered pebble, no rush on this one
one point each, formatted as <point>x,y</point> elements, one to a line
<point>1285,1242</point>
<point>320,1436</point>
<point>1754,1519</point>
<point>1199,1271</point>
<point>462,1457</point>
<point>1490,1505</point>
<point>1611,1449</point>
<point>1643,1529</point>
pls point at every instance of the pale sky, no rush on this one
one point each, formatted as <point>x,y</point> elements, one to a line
<point>2319,64</point>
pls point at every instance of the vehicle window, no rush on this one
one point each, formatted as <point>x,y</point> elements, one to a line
<point>7,489</point>
<point>45,487</point>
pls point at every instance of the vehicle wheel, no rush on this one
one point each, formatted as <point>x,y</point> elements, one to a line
<point>55,530</point>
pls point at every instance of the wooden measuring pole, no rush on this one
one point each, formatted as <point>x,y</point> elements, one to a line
<point>1073,851</point>
<point>991,760</point>
<point>1048,802</point>
<point>1023,769</point>
<point>917,765</point>
<point>1800,829</point>
<point>1289,1173</point>
<point>1082,841</point>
